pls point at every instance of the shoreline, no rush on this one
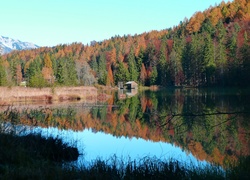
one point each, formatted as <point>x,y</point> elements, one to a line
<point>10,95</point>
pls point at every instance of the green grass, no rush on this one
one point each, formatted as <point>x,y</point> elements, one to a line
<point>35,157</point>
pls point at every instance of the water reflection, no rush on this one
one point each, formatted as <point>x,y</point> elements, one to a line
<point>95,145</point>
<point>124,93</point>
<point>184,124</point>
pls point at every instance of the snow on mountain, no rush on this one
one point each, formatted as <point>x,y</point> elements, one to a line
<point>8,44</point>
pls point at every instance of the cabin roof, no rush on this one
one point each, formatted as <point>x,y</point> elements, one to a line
<point>131,82</point>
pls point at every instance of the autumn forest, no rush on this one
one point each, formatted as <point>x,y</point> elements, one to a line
<point>212,48</point>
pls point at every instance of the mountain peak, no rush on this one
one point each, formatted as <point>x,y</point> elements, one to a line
<point>8,44</point>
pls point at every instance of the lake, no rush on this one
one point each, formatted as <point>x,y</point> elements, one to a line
<point>194,126</point>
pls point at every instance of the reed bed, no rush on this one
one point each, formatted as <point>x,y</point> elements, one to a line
<point>13,94</point>
<point>35,157</point>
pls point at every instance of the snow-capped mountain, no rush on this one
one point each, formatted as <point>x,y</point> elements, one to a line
<point>8,44</point>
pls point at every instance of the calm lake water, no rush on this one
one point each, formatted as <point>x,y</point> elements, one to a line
<point>194,126</point>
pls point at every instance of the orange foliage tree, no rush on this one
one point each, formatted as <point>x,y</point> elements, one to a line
<point>47,70</point>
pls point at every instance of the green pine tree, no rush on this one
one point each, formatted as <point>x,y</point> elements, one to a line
<point>187,64</point>
<point>132,69</point>
<point>121,73</point>
<point>162,67</point>
<point>153,76</point>
<point>139,59</point>
<point>71,74</point>
<point>37,80</point>
<point>93,63</point>
<point>3,75</point>
<point>60,72</point>
<point>208,60</point>
<point>245,56</point>
<point>33,73</point>
<point>220,51</point>
<point>102,70</point>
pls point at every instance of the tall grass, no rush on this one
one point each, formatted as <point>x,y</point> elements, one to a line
<point>146,168</point>
<point>28,94</point>
<point>33,156</point>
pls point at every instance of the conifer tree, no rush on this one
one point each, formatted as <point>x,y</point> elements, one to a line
<point>143,75</point>
<point>153,76</point>
<point>196,56</point>
<point>34,74</point>
<point>233,62</point>
<point>121,73</point>
<point>187,63</point>
<point>93,63</point>
<point>132,66</point>
<point>150,59</point>
<point>3,75</point>
<point>37,80</point>
<point>220,51</point>
<point>102,71</point>
<point>162,67</point>
<point>71,74</point>
<point>60,72</point>
<point>245,56</point>
<point>175,61</point>
<point>16,73</point>
<point>139,59</point>
<point>208,60</point>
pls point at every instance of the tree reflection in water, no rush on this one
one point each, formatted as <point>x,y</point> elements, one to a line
<point>212,125</point>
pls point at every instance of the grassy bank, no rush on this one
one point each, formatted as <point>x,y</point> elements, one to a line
<point>8,95</point>
<point>34,157</point>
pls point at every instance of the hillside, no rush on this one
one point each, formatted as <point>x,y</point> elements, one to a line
<point>209,49</point>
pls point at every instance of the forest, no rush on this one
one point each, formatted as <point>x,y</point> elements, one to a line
<point>212,48</point>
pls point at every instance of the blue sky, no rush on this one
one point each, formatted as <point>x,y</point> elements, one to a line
<point>53,22</point>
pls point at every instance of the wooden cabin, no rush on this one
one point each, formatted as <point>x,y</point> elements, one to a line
<point>131,85</point>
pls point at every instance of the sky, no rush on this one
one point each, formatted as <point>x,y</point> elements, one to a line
<point>53,22</point>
